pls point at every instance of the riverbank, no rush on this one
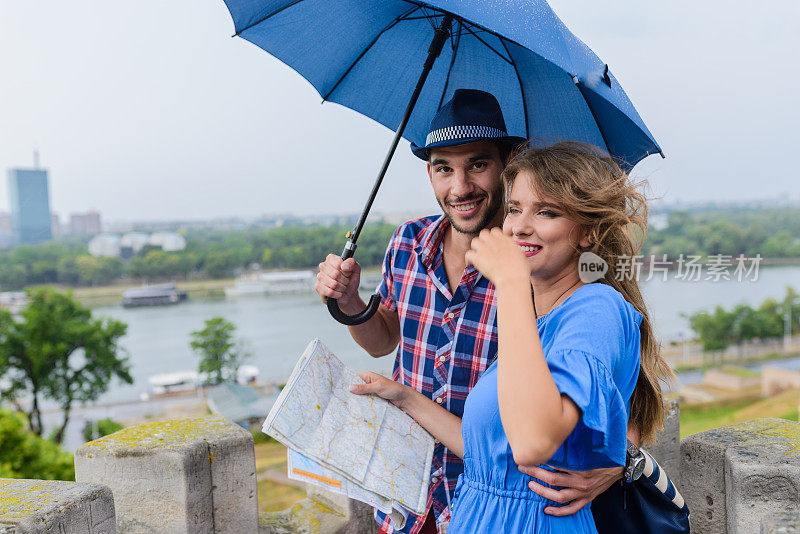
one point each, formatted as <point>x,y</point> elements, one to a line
<point>750,360</point>
<point>110,295</point>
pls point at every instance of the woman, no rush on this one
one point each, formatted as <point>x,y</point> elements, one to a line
<point>574,363</point>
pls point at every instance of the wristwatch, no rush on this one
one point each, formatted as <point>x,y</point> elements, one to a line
<point>634,465</point>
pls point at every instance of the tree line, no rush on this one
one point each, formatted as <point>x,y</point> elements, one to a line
<point>719,329</point>
<point>209,253</point>
<point>769,232</point>
<point>215,253</point>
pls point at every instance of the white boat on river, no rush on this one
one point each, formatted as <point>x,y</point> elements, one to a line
<point>273,283</point>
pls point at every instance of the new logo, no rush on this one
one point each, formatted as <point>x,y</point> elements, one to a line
<point>591,267</point>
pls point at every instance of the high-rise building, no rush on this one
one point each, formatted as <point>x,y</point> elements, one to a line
<point>55,225</point>
<point>5,223</point>
<point>85,223</point>
<point>29,200</point>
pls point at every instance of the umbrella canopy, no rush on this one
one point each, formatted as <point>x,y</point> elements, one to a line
<point>367,55</point>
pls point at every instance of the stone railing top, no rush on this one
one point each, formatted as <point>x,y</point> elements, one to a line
<point>164,434</point>
<point>32,506</point>
<point>736,476</point>
<point>21,498</point>
<point>779,435</point>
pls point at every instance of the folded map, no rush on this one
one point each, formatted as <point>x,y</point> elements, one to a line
<point>358,441</point>
<point>307,470</point>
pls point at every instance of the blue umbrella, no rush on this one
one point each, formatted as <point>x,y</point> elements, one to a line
<point>397,61</point>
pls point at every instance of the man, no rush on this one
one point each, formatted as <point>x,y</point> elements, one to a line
<point>439,310</point>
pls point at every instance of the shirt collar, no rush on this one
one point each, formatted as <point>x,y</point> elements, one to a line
<point>430,246</point>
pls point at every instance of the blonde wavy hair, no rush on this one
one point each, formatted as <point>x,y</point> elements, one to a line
<point>597,194</point>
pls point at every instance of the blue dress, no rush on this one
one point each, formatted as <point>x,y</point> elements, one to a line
<point>591,345</point>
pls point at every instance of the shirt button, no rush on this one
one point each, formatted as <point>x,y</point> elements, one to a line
<point>442,358</point>
<point>438,400</point>
<point>434,480</point>
<point>450,315</point>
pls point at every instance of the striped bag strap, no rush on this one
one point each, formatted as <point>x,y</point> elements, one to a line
<point>660,480</point>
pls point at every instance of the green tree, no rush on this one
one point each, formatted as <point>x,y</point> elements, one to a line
<point>674,246</point>
<point>781,245</point>
<point>67,271</point>
<point>220,263</point>
<point>218,350</point>
<point>87,267</point>
<point>266,257</point>
<point>23,454</point>
<point>12,276</point>
<point>791,306</point>
<point>60,352</point>
<point>108,269</point>
<point>713,329</point>
<point>97,429</point>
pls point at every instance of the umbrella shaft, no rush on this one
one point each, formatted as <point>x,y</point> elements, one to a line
<point>439,39</point>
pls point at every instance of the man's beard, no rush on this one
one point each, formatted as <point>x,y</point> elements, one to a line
<point>491,211</point>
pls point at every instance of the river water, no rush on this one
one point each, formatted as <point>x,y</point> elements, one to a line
<point>277,329</point>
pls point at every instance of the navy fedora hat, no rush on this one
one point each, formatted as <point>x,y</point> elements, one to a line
<point>471,115</point>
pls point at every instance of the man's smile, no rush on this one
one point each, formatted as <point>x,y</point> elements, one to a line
<point>470,207</point>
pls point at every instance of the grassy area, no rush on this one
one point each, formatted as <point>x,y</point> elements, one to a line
<point>699,417</point>
<point>739,371</point>
<point>274,496</point>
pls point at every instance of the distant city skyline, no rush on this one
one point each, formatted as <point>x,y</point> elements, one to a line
<point>146,113</point>
<point>29,204</point>
<point>29,219</point>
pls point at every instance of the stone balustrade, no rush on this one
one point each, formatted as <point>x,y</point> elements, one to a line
<point>198,476</point>
<point>54,506</point>
<point>742,477</point>
<point>192,476</point>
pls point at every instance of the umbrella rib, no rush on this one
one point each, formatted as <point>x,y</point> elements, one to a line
<point>364,52</point>
<point>577,83</point>
<point>490,47</point>
<point>521,88</point>
<point>287,6</point>
<point>425,17</point>
<point>452,62</point>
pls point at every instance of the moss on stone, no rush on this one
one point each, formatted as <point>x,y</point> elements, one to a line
<point>162,434</point>
<point>307,516</point>
<point>23,498</point>
<point>778,434</point>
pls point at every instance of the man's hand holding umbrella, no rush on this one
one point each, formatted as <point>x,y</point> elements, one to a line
<point>339,279</point>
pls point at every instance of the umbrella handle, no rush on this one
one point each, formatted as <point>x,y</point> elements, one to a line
<point>439,39</point>
<point>358,318</point>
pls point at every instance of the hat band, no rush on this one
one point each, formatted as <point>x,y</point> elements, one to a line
<point>463,132</point>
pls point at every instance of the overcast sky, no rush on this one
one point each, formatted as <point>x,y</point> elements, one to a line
<point>148,109</point>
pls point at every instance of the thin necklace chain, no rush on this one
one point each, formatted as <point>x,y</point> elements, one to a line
<point>536,315</point>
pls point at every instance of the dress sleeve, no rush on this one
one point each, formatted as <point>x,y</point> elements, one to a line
<point>386,287</point>
<point>599,438</point>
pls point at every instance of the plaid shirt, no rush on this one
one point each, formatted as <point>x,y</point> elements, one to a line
<point>447,339</point>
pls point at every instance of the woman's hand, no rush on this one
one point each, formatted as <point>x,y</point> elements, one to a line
<point>433,417</point>
<point>578,488</point>
<point>383,387</point>
<point>497,257</point>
